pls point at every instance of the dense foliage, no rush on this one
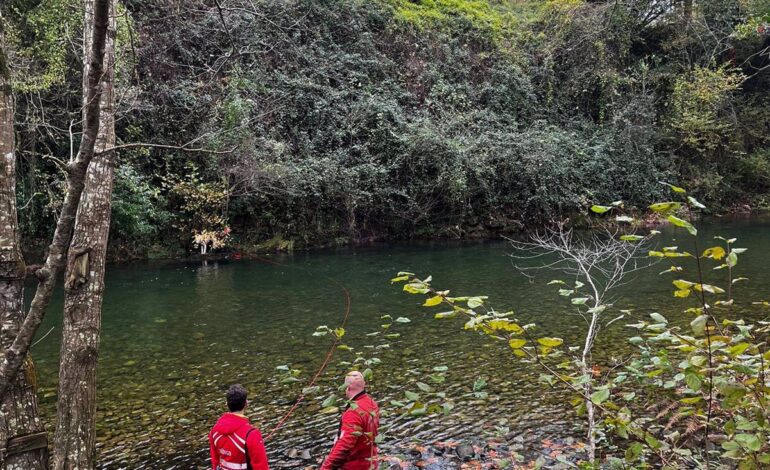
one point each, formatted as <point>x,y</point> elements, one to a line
<point>690,396</point>
<point>330,122</point>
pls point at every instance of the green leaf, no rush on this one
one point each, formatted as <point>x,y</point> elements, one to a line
<point>600,209</point>
<point>411,396</point>
<point>339,332</point>
<point>732,259</point>
<point>579,300</point>
<point>517,343</point>
<point>693,381</point>
<point>424,387</point>
<point>403,320</point>
<point>566,292</point>
<point>631,238</point>
<point>665,207</point>
<point>550,342</point>
<point>330,401</point>
<point>440,369</point>
<point>633,452</point>
<point>432,301</point>
<point>683,224</point>
<point>474,302</point>
<point>329,410</point>
<point>750,442</point>
<point>600,396</point>
<point>399,279</point>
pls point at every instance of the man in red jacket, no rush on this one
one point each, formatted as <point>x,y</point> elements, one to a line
<point>235,444</point>
<point>354,448</point>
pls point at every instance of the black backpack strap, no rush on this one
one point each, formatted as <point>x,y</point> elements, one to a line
<point>246,449</point>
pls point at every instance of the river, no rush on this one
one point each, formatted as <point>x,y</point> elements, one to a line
<point>177,333</point>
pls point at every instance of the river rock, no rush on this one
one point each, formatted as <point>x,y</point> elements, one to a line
<point>465,452</point>
<point>305,455</point>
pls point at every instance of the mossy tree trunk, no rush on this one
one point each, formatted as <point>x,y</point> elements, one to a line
<point>14,356</point>
<point>18,408</point>
<point>75,437</point>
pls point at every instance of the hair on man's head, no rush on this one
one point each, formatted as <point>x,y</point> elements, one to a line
<point>236,398</point>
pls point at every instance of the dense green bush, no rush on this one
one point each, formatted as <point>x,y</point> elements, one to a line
<point>342,121</point>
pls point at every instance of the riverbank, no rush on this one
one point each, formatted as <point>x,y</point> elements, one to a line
<point>244,245</point>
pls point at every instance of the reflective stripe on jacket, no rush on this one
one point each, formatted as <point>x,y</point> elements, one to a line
<point>229,440</point>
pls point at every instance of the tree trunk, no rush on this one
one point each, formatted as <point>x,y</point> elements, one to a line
<point>15,355</point>
<point>586,371</point>
<point>75,438</point>
<point>18,409</point>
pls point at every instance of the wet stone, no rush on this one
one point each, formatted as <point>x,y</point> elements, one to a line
<point>465,452</point>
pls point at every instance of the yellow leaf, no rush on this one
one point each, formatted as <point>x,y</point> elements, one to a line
<point>517,343</point>
<point>433,301</point>
<point>550,342</point>
<point>682,293</point>
<point>715,252</point>
<point>682,284</point>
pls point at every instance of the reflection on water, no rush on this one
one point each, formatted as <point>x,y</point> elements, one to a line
<point>176,334</point>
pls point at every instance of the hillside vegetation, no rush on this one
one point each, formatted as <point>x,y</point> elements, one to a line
<point>330,122</point>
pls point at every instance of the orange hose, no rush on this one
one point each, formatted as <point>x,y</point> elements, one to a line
<point>329,354</point>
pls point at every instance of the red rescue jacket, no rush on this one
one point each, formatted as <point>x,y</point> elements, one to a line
<point>230,439</point>
<point>355,448</point>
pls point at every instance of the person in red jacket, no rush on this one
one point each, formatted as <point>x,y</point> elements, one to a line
<point>234,443</point>
<point>354,448</point>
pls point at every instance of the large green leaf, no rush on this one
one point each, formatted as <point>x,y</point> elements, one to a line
<point>600,209</point>
<point>600,396</point>
<point>684,224</point>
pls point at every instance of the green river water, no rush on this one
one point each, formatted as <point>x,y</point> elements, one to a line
<point>175,334</point>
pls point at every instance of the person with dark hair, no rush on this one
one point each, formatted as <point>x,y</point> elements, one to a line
<point>235,444</point>
<point>355,448</point>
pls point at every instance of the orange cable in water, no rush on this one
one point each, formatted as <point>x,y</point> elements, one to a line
<point>329,354</point>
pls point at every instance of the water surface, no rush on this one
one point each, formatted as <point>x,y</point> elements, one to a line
<point>176,334</point>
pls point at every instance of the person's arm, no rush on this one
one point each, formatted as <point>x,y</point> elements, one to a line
<point>214,452</point>
<point>349,433</point>
<point>257,453</point>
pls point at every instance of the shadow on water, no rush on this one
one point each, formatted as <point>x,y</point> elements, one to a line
<point>176,334</point>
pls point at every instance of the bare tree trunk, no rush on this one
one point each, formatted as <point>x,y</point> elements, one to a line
<point>586,371</point>
<point>14,356</point>
<point>75,438</point>
<point>18,409</point>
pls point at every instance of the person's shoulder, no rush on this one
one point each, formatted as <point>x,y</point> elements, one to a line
<point>252,432</point>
